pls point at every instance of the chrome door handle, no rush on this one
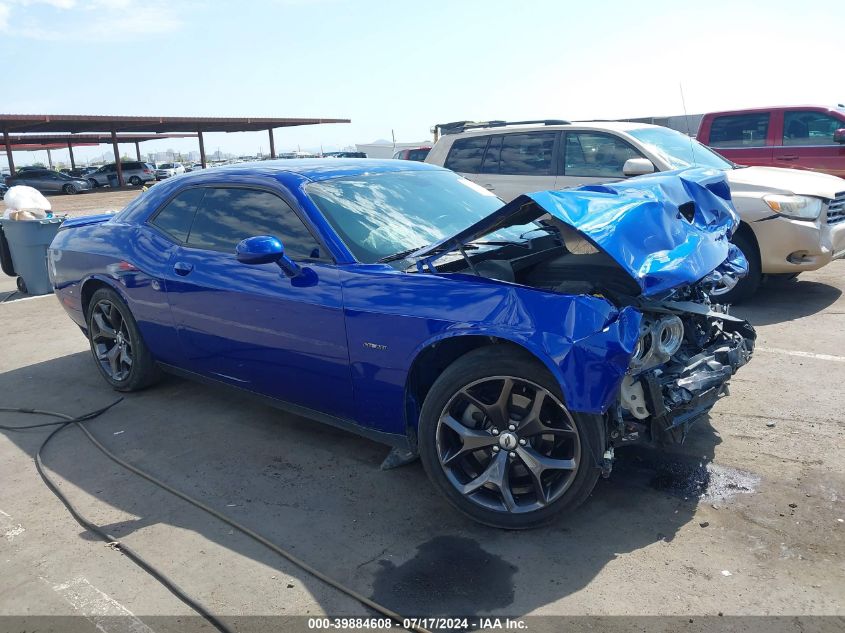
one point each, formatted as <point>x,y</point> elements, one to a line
<point>182,268</point>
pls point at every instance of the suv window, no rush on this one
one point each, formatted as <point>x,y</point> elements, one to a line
<point>492,156</point>
<point>740,130</point>
<point>228,215</point>
<point>466,153</point>
<point>175,218</point>
<point>528,154</point>
<point>593,154</point>
<point>809,128</point>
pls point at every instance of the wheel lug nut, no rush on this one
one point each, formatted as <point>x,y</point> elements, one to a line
<point>512,428</point>
<point>522,442</point>
<point>495,449</point>
<point>495,431</point>
<point>512,455</point>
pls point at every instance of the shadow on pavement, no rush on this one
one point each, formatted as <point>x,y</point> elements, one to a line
<point>319,492</point>
<point>778,301</point>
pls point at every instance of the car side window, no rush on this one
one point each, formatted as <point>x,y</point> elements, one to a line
<point>466,153</point>
<point>593,154</point>
<point>228,215</point>
<point>740,130</point>
<point>176,217</point>
<point>492,156</point>
<point>809,128</point>
<point>527,154</point>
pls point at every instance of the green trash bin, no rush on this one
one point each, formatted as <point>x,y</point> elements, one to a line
<point>27,241</point>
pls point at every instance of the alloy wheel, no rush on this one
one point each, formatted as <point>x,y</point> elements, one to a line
<point>508,444</point>
<point>111,341</point>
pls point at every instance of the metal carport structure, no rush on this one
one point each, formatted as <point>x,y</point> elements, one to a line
<point>37,142</point>
<point>77,124</point>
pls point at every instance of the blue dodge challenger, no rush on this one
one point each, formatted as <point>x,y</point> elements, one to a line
<point>511,347</point>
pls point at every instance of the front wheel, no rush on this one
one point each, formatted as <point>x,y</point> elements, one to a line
<point>70,189</point>
<point>121,354</point>
<point>496,438</point>
<point>94,183</point>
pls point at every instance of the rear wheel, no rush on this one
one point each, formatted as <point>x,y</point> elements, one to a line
<point>94,183</point>
<point>497,440</point>
<point>747,286</point>
<point>70,189</point>
<point>135,181</point>
<point>119,351</point>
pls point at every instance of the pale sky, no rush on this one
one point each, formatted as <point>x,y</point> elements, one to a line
<point>404,66</point>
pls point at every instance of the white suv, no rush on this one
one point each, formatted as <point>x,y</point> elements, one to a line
<point>792,220</point>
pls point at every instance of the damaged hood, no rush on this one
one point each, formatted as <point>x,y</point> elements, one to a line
<point>665,230</point>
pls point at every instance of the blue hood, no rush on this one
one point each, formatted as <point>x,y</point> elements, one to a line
<point>665,230</point>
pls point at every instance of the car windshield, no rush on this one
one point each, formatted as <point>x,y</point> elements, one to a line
<point>167,166</point>
<point>679,150</point>
<point>379,215</point>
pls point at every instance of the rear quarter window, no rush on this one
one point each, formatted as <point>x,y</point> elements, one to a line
<point>176,216</point>
<point>466,153</point>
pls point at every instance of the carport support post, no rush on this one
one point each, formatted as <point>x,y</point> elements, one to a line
<point>272,144</point>
<point>70,151</point>
<point>138,151</point>
<point>117,164</point>
<point>9,152</point>
<point>202,149</point>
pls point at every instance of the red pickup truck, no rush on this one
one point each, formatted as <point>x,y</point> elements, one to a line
<point>802,137</point>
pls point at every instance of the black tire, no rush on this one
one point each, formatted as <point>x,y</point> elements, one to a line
<point>135,181</point>
<point>780,278</point>
<point>143,371</point>
<point>564,490</point>
<point>21,284</point>
<point>70,189</point>
<point>748,285</point>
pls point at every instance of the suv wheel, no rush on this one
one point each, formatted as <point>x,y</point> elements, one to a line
<point>135,181</point>
<point>496,438</point>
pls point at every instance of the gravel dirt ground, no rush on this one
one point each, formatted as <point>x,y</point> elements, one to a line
<point>746,518</point>
<point>98,200</point>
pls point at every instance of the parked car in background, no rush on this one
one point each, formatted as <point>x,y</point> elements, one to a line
<point>193,167</point>
<point>345,155</point>
<point>166,170</point>
<point>413,153</point>
<point>803,137</point>
<point>792,220</point>
<point>440,320</point>
<point>135,173</point>
<point>49,181</point>
<point>3,189</point>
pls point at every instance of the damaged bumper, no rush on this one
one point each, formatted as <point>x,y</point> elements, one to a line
<point>661,402</point>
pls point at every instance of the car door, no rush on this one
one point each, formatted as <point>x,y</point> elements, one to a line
<point>518,163</point>
<point>250,325</point>
<point>807,142</point>
<point>593,157</point>
<point>745,139</point>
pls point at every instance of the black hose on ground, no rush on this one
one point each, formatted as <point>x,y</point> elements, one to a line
<point>67,420</point>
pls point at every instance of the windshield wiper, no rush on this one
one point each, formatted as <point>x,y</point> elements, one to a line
<point>399,255</point>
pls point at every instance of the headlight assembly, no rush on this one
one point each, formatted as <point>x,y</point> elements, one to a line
<point>798,207</point>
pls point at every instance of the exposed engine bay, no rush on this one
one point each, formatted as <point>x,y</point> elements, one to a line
<point>688,348</point>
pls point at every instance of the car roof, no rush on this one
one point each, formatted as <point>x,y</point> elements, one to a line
<point>617,126</point>
<point>317,169</point>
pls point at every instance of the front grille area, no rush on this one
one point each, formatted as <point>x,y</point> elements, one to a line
<point>836,209</point>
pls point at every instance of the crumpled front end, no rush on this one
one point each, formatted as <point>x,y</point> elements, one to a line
<point>686,354</point>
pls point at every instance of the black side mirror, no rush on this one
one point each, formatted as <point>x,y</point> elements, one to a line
<point>839,135</point>
<point>266,249</point>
